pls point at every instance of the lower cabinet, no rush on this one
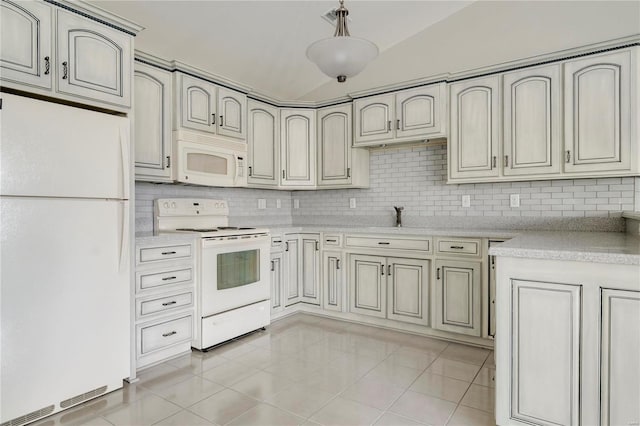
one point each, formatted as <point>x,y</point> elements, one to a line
<point>458,301</point>
<point>389,287</point>
<point>277,277</point>
<point>332,281</point>
<point>301,262</point>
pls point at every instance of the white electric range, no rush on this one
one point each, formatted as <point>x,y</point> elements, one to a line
<point>233,279</point>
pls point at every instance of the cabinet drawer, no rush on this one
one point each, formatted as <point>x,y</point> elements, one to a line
<point>165,334</point>
<point>277,242</point>
<point>332,240</point>
<point>153,254</point>
<point>164,304</point>
<point>153,279</point>
<point>389,243</point>
<point>450,246</point>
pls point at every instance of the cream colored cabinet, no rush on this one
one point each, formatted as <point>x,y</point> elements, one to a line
<point>310,269</point>
<point>339,164</point>
<point>458,302</point>
<point>94,61</point>
<point>197,100</point>
<point>298,147</point>
<point>532,118</point>
<point>232,110</point>
<point>25,43</point>
<point>598,113</point>
<point>277,279</point>
<point>388,287</point>
<point>291,275</point>
<point>406,115</point>
<point>332,281</point>
<point>153,108</point>
<point>475,128</point>
<point>263,144</point>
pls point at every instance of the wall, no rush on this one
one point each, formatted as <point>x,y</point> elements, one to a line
<point>415,177</point>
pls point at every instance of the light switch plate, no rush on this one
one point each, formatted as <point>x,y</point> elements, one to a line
<point>262,203</point>
<point>278,204</point>
<point>514,200</point>
<point>296,204</point>
<point>466,201</point>
<point>352,203</point>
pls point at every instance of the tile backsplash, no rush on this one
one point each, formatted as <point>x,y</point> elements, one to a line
<point>415,177</point>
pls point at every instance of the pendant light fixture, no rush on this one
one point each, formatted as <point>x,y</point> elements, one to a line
<point>342,56</point>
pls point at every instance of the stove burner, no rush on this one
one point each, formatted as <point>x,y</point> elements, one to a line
<point>197,230</point>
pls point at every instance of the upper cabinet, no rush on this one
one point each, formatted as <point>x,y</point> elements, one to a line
<point>298,147</point>
<point>263,141</point>
<point>401,117</point>
<point>475,132</point>
<point>152,130</point>
<point>90,62</point>
<point>205,107</point>
<point>25,43</point>
<point>338,163</point>
<point>598,113</point>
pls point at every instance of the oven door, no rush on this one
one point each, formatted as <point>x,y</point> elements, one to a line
<point>201,164</point>
<point>235,273</point>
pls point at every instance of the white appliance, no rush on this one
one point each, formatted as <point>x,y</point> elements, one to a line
<point>233,286</point>
<point>208,160</point>
<point>64,228</point>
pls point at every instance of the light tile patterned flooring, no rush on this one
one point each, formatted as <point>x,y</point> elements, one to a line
<point>307,370</point>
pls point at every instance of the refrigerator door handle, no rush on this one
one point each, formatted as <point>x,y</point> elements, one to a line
<point>124,156</point>
<point>124,237</point>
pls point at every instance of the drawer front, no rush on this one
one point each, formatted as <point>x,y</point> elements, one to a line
<point>332,240</point>
<point>389,243</point>
<point>164,304</point>
<point>154,254</point>
<point>148,280</point>
<point>165,334</point>
<point>277,243</point>
<point>451,246</point>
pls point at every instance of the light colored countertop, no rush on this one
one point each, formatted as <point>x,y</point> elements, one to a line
<point>413,231</point>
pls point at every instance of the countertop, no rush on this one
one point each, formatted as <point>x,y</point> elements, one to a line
<point>416,231</point>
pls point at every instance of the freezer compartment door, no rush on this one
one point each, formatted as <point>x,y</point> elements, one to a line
<point>54,150</point>
<point>64,304</point>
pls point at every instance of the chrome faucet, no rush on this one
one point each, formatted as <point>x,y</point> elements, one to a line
<point>398,216</point>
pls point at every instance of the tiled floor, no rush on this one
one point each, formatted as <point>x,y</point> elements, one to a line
<point>307,370</point>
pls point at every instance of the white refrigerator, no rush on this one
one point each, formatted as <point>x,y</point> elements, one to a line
<point>64,256</point>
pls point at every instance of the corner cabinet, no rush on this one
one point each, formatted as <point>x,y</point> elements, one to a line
<point>301,269</point>
<point>401,117</point>
<point>153,109</point>
<point>298,148</point>
<point>263,141</point>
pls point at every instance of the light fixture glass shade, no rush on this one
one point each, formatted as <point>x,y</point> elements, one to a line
<point>343,56</point>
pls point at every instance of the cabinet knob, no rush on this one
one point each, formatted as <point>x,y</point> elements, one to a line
<point>389,270</point>
<point>213,119</point>
<point>568,157</point>
<point>438,274</point>
<point>506,161</point>
<point>47,65</point>
<point>221,121</point>
<point>398,124</point>
<point>389,126</point>
<point>173,302</point>
<point>250,171</point>
<point>65,70</point>
<point>171,333</point>
<point>337,263</point>
<point>493,162</point>
<point>168,162</point>
<point>272,266</point>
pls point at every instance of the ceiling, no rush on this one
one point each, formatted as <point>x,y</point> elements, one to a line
<point>262,44</point>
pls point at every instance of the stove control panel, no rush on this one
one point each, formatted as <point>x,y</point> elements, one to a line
<point>191,207</point>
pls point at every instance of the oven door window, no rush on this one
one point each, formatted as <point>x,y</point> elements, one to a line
<point>238,269</point>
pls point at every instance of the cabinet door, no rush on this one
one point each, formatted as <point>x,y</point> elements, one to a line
<point>532,127</point>
<point>152,104</point>
<point>263,144</point>
<point>310,269</point>
<point>419,111</point>
<point>597,108</point>
<point>25,43</point>
<point>332,280</point>
<point>232,111</point>
<point>298,147</point>
<point>276,281</point>
<point>374,119</point>
<point>291,277</point>
<point>408,290</point>
<point>197,104</point>
<point>94,61</point>
<point>458,302</point>
<point>619,359</point>
<point>474,133</point>
<point>545,352</point>
<point>368,285</point>
<point>334,145</point>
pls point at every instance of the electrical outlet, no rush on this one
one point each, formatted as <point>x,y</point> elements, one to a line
<point>352,203</point>
<point>262,203</point>
<point>514,200</point>
<point>278,204</point>
<point>466,201</point>
<point>296,204</point>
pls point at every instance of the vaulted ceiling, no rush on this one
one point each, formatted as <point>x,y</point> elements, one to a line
<point>262,44</point>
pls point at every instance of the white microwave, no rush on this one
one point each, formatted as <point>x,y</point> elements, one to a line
<point>209,161</point>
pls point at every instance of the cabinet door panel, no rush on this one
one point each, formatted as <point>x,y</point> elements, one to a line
<point>198,104</point>
<point>232,108</point>
<point>374,119</point>
<point>334,145</point>
<point>298,147</point>
<point>474,128</point>
<point>94,60</point>
<point>152,94</point>
<point>458,300</point>
<point>620,354</point>
<point>25,43</point>
<point>264,144</point>
<point>419,111</point>
<point>332,281</point>
<point>545,352</point>
<point>532,121</point>
<point>310,273</point>
<point>408,286</point>
<point>291,271</point>
<point>597,113</point>
<point>276,281</point>
<point>368,285</point>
